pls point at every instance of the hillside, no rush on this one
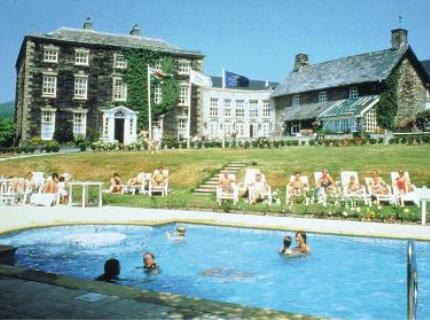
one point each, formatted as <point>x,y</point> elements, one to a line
<point>7,109</point>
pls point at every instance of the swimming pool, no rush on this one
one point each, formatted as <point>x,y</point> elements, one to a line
<point>345,277</point>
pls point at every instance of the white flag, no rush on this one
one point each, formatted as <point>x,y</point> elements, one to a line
<point>200,79</point>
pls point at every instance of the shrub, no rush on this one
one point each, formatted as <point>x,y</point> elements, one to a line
<point>50,146</point>
<point>373,141</point>
<point>63,132</point>
<point>7,132</point>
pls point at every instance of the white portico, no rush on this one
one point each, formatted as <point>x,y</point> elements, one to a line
<point>120,124</point>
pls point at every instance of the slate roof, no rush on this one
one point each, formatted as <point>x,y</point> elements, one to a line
<point>426,66</point>
<point>112,39</point>
<point>368,67</point>
<point>253,84</point>
<point>349,107</point>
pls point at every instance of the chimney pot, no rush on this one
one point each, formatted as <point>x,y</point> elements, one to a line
<point>135,31</point>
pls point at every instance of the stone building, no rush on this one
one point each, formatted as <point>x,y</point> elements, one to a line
<point>342,95</point>
<point>246,112</point>
<point>75,77</point>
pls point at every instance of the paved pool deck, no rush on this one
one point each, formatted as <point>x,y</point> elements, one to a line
<point>32,294</point>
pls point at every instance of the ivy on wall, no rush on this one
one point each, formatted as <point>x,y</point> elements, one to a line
<point>388,102</point>
<point>137,85</point>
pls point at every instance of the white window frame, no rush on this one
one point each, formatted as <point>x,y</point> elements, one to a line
<point>158,95</point>
<point>353,93</point>
<point>184,95</point>
<point>240,108</point>
<point>119,61</point>
<point>82,57</point>
<point>370,121</point>
<point>296,100</point>
<point>119,92</point>
<point>79,123</point>
<point>322,96</point>
<point>49,85</point>
<point>266,109</point>
<point>184,67</point>
<point>80,88</point>
<point>253,108</point>
<point>182,128</point>
<point>47,123</point>
<point>50,54</point>
<point>265,129</point>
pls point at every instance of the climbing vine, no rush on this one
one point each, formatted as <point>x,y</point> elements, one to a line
<point>388,103</point>
<point>137,84</point>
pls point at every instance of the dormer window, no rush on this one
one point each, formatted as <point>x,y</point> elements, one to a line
<point>82,57</point>
<point>50,54</point>
<point>296,100</point>
<point>120,62</point>
<point>353,93</point>
<point>322,97</point>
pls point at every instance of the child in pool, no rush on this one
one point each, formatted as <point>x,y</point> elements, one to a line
<point>285,250</point>
<point>178,235</point>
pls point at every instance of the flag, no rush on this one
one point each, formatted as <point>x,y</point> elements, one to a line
<point>233,80</point>
<point>158,74</point>
<point>200,79</point>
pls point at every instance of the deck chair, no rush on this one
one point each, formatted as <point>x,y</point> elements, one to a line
<point>321,194</point>
<point>228,195</point>
<point>266,194</point>
<point>405,197</point>
<point>7,195</point>
<point>45,199</point>
<point>289,194</point>
<point>248,179</point>
<point>389,197</point>
<point>39,180</point>
<point>163,189</point>
<point>352,197</point>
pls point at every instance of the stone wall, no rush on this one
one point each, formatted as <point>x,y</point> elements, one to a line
<point>412,93</point>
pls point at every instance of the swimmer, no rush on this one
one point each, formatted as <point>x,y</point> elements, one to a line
<point>285,250</point>
<point>178,235</point>
<point>112,269</point>
<point>149,263</point>
<point>302,246</point>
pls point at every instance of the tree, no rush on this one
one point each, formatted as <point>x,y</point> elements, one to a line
<point>7,132</point>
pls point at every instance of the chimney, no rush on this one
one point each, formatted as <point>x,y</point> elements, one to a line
<point>399,38</point>
<point>88,24</point>
<point>135,31</point>
<point>302,60</point>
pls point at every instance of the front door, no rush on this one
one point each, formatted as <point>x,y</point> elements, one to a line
<point>251,131</point>
<point>119,130</point>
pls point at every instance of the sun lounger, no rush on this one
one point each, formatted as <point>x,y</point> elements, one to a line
<point>353,196</point>
<point>389,197</point>
<point>404,197</point>
<point>228,195</point>
<point>162,189</point>
<point>289,192</point>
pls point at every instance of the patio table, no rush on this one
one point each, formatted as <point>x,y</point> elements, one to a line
<point>423,195</point>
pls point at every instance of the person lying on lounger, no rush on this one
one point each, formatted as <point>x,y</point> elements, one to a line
<point>225,183</point>
<point>259,189</point>
<point>158,178</point>
<point>51,185</point>
<point>353,187</point>
<point>326,182</point>
<point>297,186</point>
<point>377,184</point>
<point>403,184</point>
<point>115,183</point>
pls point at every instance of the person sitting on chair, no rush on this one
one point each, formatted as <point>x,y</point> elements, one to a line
<point>51,185</point>
<point>259,188</point>
<point>225,183</point>
<point>158,178</point>
<point>115,183</point>
<point>402,183</point>
<point>62,188</point>
<point>352,186</point>
<point>326,182</point>
<point>377,185</point>
<point>297,186</point>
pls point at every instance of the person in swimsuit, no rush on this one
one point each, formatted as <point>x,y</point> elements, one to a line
<point>149,263</point>
<point>225,183</point>
<point>286,250</point>
<point>353,187</point>
<point>115,183</point>
<point>297,186</point>
<point>403,184</point>
<point>302,245</point>
<point>377,185</point>
<point>112,269</point>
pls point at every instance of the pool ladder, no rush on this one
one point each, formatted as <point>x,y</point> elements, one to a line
<point>412,279</point>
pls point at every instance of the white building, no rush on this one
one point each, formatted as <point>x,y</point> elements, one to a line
<point>238,112</point>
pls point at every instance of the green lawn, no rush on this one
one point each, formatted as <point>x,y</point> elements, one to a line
<point>190,167</point>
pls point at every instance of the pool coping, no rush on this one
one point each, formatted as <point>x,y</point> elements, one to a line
<point>180,302</point>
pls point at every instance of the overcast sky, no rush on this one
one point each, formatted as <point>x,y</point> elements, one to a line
<point>255,38</point>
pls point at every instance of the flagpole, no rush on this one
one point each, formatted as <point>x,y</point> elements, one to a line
<point>222,109</point>
<point>189,114</point>
<point>149,104</point>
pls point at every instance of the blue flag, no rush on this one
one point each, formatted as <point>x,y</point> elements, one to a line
<point>233,80</point>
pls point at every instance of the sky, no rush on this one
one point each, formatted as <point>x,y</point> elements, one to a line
<point>254,38</point>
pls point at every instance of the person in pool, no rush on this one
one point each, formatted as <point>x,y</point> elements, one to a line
<point>302,246</point>
<point>149,263</point>
<point>285,250</point>
<point>112,269</point>
<point>178,235</point>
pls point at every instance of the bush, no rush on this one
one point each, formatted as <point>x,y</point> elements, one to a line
<point>63,132</point>
<point>50,146</point>
<point>7,132</point>
<point>28,147</point>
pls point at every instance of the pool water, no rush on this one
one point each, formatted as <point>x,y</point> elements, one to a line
<point>344,277</point>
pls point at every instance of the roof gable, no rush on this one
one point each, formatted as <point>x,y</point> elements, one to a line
<point>368,67</point>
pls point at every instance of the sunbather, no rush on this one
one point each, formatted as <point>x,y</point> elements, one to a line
<point>377,184</point>
<point>403,183</point>
<point>297,187</point>
<point>51,185</point>
<point>259,188</point>
<point>158,178</point>
<point>225,183</point>
<point>326,182</point>
<point>115,183</point>
<point>353,187</point>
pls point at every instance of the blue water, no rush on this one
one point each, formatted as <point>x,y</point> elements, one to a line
<point>345,277</point>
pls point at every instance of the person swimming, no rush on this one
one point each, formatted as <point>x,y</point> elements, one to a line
<point>179,235</point>
<point>149,263</point>
<point>112,269</point>
<point>285,250</point>
<point>302,245</point>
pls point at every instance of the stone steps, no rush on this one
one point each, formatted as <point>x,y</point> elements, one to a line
<point>208,187</point>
